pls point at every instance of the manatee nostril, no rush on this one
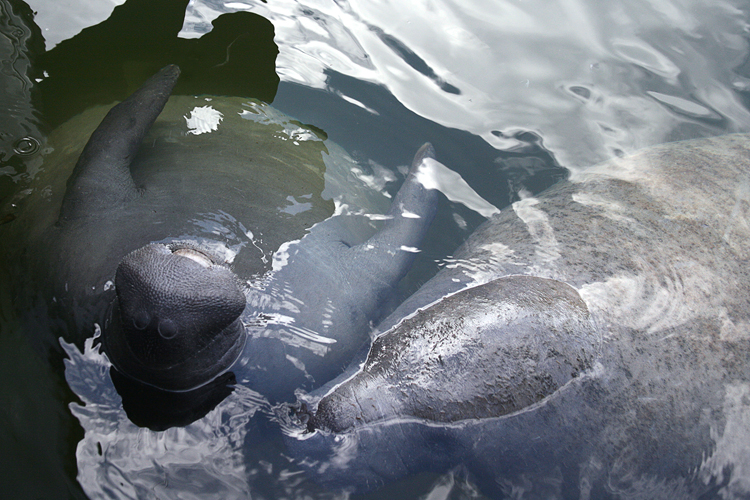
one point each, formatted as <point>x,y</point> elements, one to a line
<point>167,328</point>
<point>141,320</point>
<point>178,323</point>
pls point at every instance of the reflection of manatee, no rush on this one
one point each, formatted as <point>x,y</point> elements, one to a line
<point>593,342</point>
<point>217,185</point>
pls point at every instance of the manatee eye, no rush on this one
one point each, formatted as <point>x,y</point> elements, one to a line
<point>141,320</point>
<point>167,328</point>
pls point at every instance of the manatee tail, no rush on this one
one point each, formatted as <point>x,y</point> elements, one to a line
<point>101,177</point>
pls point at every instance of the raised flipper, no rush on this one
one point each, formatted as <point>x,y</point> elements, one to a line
<point>343,285</point>
<point>101,177</point>
<point>387,255</point>
<point>365,272</point>
<point>369,269</point>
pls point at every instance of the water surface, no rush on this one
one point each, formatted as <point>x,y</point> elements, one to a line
<point>511,92</point>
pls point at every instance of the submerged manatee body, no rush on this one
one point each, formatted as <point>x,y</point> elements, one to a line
<point>591,342</point>
<point>200,234</point>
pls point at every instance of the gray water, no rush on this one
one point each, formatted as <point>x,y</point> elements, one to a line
<point>511,92</point>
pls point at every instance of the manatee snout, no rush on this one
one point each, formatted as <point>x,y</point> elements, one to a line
<point>337,412</point>
<point>487,351</point>
<point>175,324</point>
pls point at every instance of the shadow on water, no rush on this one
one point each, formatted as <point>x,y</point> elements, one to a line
<point>21,43</point>
<point>38,435</point>
<point>107,62</point>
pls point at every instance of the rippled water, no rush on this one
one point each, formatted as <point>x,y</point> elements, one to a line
<point>509,91</point>
<point>608,77</point>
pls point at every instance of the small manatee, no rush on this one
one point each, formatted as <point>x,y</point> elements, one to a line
<point>200,234</point>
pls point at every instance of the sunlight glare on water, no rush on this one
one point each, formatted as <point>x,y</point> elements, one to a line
<point>59,22</point>
<point>593,79</point>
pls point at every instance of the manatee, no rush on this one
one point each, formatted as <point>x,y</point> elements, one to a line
<point>200,235</point>
<point>590,342</point>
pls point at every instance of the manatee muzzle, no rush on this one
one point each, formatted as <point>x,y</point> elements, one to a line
<point>176,321</point>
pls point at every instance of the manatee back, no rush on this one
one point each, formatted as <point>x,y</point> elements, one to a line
<point>655,247</point>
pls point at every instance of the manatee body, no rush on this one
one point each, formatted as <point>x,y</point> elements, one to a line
<point>591,342</point>
<point>206,240</point>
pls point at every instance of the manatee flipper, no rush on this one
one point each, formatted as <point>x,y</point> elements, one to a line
<point>388,254</point>
<point>344,283</point>
<point>101,177</point>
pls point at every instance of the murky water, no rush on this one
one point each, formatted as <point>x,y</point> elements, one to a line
<point>508,91</point>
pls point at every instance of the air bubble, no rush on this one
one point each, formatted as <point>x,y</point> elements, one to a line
<point>26,146</point>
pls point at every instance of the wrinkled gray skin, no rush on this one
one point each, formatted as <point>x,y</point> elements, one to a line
<point>601,349</point>
<point>182,315</point>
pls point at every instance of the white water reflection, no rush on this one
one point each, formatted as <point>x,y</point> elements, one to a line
<point>434,175</point>
<point>592,78</point>
<point>60,21</point>
<point>203,119</point>
<point>117,459</point>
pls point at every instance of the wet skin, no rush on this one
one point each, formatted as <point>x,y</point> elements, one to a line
<point>286,297</point>
<point>592,341</point>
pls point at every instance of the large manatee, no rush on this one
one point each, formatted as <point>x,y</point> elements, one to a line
<point>202,252</point>
<point>591,342</point>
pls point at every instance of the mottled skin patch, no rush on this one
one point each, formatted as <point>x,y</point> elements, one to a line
<point>512,342</point>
